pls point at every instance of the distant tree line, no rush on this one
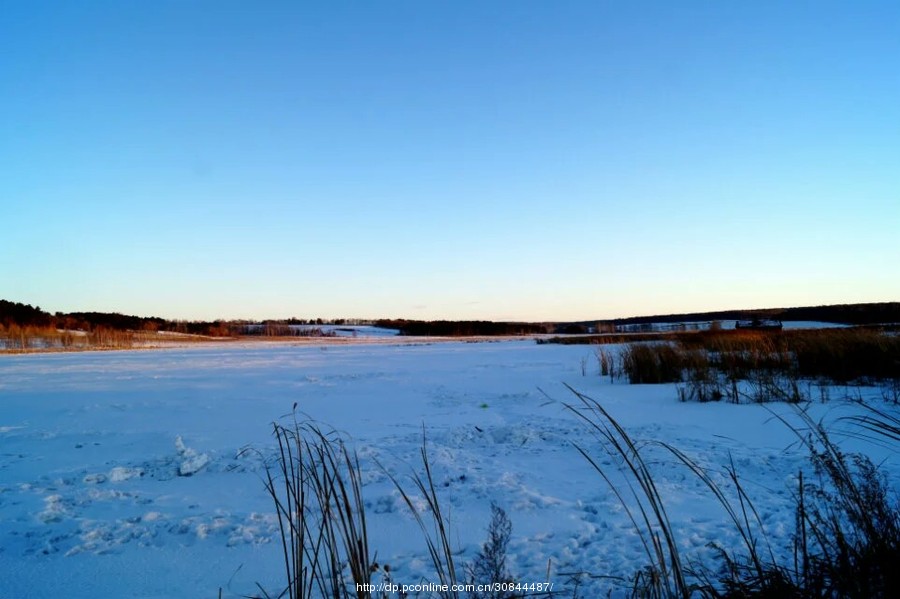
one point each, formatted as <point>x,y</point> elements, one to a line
<point>18,317</point>
<point>463,328</point>
<point>854,314</point>
<point>321,321</point>
<point>23,315</point>
<point>15,316</point>
<point>280,328</point>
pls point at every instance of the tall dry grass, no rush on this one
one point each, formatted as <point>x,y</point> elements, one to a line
<point>316,487</point>
<point>14,338</point>
<point>760,366</point>
<point>846,539</point>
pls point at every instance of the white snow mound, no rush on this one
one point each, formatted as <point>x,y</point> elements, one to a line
<point>192,461</point>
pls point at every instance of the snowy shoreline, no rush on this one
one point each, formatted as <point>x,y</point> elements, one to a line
<point>255,341</point>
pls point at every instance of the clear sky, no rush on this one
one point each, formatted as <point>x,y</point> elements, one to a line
<point>495,160</point>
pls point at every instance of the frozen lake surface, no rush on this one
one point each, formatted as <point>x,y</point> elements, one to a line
<point>122,473</point>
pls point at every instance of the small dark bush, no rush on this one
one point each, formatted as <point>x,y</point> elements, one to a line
<point>489,566</point>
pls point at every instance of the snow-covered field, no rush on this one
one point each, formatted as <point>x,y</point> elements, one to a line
<point>122,473</point>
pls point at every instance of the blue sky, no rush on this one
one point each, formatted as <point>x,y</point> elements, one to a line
<point>496,160</point>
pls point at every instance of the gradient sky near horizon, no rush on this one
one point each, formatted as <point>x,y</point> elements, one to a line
<point>492,160</point>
